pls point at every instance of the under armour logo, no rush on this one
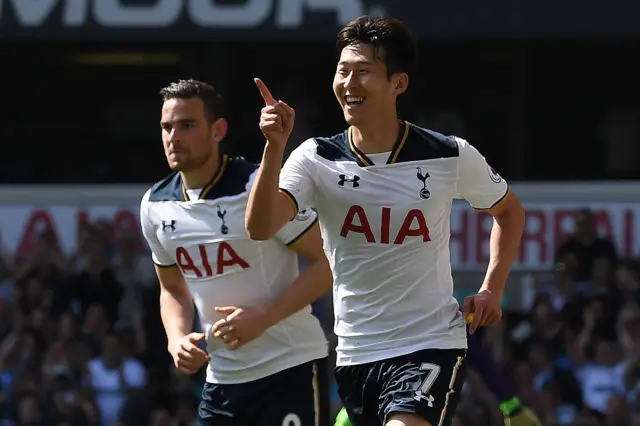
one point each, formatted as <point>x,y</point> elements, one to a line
<point>224,229</point>
<point>424,192</point>
<point>171,225</point>
<point>420,396</point>
<point>353,181</point>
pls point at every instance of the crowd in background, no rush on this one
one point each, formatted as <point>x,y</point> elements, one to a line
<point>575,356</point>
<point>82,342</point>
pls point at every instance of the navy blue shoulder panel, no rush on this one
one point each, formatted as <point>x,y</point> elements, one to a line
<point>335,148</point>
<point>233,180</point>
<point>168,189</point>
<point>424,144</point>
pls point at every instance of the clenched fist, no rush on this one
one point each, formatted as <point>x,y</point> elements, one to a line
<point>187,356</point>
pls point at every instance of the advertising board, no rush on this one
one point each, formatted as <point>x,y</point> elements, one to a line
<point>26,211</point>
<point>310,19</point>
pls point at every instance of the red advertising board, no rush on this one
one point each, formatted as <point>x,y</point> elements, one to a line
<point>548,225</point>
<point>26,211</point>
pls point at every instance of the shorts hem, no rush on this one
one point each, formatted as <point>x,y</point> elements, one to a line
<point>387,355</point>
<point>233,378</point>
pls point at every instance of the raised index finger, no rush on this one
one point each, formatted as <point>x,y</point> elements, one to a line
<point>264,92</point>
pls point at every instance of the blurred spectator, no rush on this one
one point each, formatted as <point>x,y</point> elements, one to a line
<point>133,269</point>
<point>6,257</point>
<point>628,281</point>
<point>113,377</point>
<point>96,284</point>
<point>6,282</point>
<point>586,246</point>
<point>603,379</point>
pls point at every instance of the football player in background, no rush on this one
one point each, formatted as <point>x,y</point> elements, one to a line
<point>383,190</point>
<point>262,341</point>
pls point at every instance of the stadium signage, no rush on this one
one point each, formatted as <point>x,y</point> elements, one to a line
<point>548,225</point>
<point>311,19</point>
<point>169,13</point>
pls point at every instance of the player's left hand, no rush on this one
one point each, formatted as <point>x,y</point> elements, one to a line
<point>241,326</point>
<point>485,307</point>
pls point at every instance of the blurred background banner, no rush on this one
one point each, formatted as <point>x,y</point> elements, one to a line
<point>63,211</point>
<point>551,209</point>
<point>311,19</point>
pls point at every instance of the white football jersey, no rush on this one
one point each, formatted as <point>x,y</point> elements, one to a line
<point>386,230</point>
<point>206,239</point>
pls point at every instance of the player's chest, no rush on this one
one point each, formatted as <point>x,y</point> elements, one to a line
<point>406,183</point>
<point>386,205</point>
<point>206,239</point>
<point>185,223</point>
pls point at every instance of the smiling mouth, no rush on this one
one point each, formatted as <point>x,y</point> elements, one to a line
<point>353,100</point>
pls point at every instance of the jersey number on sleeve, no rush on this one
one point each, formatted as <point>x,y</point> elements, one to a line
<point>225,257</point>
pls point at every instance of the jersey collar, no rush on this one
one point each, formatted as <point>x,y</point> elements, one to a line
<point>214,180</point>
<point>362,158</point>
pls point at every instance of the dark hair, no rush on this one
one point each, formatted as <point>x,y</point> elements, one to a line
<point>392,42</point>
<point>214,107</point>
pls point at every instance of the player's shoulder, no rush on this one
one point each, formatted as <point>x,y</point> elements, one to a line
<point>168,188</point>
<point>235,176</point>
<point>334,148</point>
<point>330,148</point>
<point>419,143</point>
<point>240,170</point>
<point>231,179</point>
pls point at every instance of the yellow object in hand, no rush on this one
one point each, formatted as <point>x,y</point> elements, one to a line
<point>469,318</point>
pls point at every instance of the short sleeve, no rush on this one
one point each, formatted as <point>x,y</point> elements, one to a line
<point>158,253</point>
<point>478,183</point>
<point>296,176</point>
<point>300,225</point>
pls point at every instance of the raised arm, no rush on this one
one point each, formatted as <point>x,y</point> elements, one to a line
<point>270,207</point>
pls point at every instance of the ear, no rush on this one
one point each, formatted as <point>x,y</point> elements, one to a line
<point>219,129</point>
<point>401,83</point>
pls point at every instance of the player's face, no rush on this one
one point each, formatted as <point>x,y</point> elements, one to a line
<point>189,139</point>
<point>362,86</point>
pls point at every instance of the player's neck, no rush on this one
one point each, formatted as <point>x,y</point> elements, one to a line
<point>378,136</point>
<point>200,177</point>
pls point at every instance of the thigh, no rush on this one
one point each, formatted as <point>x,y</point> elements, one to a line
<point>223,405</point>
<point>358,388</point>
<point>427,383</point>
<point>291,398</point>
